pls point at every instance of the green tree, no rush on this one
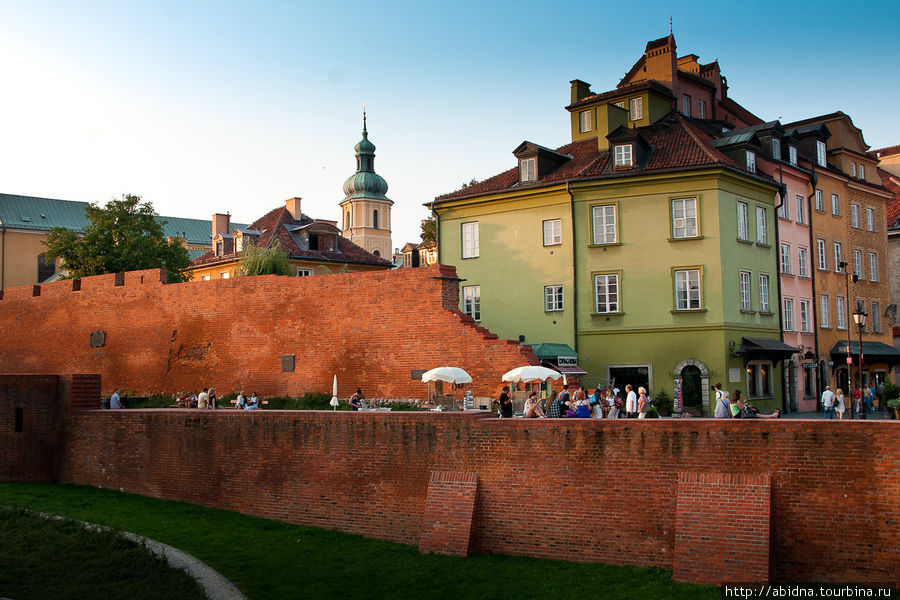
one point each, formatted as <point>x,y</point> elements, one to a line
<point>264,261</point>
<point>429,231</point>
<point>124,235</point>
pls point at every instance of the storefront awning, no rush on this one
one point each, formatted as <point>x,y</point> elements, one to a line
<point>567,370</point>
<point>767,348</point>
<point>873,352</point>
<point>560,357</point>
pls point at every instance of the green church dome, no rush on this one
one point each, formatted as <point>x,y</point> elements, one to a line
<point>365,183</point>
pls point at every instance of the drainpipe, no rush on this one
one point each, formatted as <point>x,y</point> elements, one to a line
<point>2,257</point>
<point>782,192</point>
<point>574,269</point>
<point>814,181</point>
<point>437,232</point>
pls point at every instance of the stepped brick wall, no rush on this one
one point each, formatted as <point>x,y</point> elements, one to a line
<point>588,490</point>
<point>372,330</point>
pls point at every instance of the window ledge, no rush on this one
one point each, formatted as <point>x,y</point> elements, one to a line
<point>763,245</point>
<point>554,310</point>
<point>748,312</point>
<point>741,241</point>
<point>686,239</point>
<point>787,219</point>
<point>766,313</point>
<point>605,245</point>
<point>607,314</point>
<point>470,257</point>
<point>677,311</point>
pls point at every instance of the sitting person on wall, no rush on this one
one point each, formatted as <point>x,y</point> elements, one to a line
<point>203,399</point>
<point>581,405</point>
<point>533,407</point>
<point>213,399</point>
<point>354,399</point>
<point>253,402</point>
<point>241,402</point>
<point>748,411</point>
<point>556,407</point>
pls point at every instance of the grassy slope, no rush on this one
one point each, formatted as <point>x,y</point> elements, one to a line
<point>270,559</point>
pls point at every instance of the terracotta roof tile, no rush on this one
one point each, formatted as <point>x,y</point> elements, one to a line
<point>892,209</point>
<point>887,151</point>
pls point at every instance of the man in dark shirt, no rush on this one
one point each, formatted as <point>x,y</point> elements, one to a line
<point>505,404</point>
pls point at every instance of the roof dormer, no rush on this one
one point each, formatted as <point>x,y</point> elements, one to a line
<point>742,146</point>
<point>627,148</point>
<point>536,162</point>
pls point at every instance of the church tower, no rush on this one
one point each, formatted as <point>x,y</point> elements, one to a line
<point>365,210</point>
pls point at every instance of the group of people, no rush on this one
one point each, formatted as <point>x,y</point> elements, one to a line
<point>600,404</point>
<point>733,407</point>
<point>209,400</point>
<point>245,403</point>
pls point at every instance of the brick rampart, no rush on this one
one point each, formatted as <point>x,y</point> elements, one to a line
<point>588,490</point>
<point>372,330</point>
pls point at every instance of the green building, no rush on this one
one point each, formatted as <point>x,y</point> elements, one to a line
<point>646,248</point>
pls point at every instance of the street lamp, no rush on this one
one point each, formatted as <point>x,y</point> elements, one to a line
<point>859,317</point>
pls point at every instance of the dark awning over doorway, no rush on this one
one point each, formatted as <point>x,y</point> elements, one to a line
<point>560,357</point>
<point>767,349</point>
<point>873,352</point>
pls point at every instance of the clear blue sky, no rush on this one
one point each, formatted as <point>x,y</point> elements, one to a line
<point>235,106</point>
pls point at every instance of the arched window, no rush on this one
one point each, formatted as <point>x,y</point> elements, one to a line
<point>347,220</point>
<point>376,252</point>
<point>375,219</point>
<point>45,268</point>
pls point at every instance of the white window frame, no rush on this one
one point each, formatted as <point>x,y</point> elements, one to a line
<point>763,293</point>
<point>751,161</point>
<point>746,301</point>
<point>870,218</point>
<point>471,298</point>
<point>792,155</point>
<point>788,314</point>
<point>852,169</point>
<point>858,264</point>
<point>838,256</point>
<point>801,208</point>
<point>802,261</point>
<point>840,312</point>
<point>225,275</point>
<point>701,109</point>
<point>824,311</point>
<point>686,105</point>
<point>743,221</point>
<point>821,153</point>
<point>301,272</point>
<point>776,149</point>
<point>836,205</point>
<point>873,266</point>
<point>584,121</point>
<point>876,317</point>
<point>805,317</point>
<point>636,109</point>
<point>684,206</point>
<point>528,169</point>
<point>786,259</point>
<point>623,155</point>
<point>553,298</point>
<point>611,300</point>
<point>762,226</point>
<point>854,215</point>
<point>862,171</point>
<point>552,229</point>
<point>820,200</point>
<point>470,243</point>
<point>688,291</point>
<point>822,255</point>
<point>604,220</point>
<point>784,210</point>
<point>204,278</point>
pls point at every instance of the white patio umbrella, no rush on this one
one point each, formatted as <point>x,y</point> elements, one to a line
<point>530,373</point>
<point>334,401</point>
<point>448,374</point>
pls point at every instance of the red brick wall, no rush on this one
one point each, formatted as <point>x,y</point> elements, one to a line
<point>371,329</point>
<point>31,454</point>
<point>449,508</point>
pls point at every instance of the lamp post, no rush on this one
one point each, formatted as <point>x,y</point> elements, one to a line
<point>860,316</point>
<point>843,265</point>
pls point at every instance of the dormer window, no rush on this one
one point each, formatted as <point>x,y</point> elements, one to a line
<point>623,155</point>
<point>751,161</point>
<point>219,248</point>
<point>636,109</point>
<point>528,170</point>
<point>820,154</point>
<point>792,155</point>
<point>239,244</point>
<point>776,148</point>
<point>862,172</point>
<point>584,120</point>
<point>853,169</point>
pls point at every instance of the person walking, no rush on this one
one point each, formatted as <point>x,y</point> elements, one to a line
<point>722,411</point>
<point>630,402</point>
<point>643,403</point>
<point>596,403</point>
<point>611,401</point>
<point>114,400</point>
<point>839,406</point>
<point>828,402</point>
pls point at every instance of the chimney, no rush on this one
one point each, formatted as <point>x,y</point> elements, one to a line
<point>293,206</point>
<point>579,90</point>
<point>221,224</point>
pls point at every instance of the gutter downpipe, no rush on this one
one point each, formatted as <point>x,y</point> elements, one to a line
<point>782,192</point>
<point>437,231</point>
<point>2,257</point>
<point>574,269</point>
<point>814,181</point>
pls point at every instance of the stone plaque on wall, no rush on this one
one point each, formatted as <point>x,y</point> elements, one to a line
<point>416,374</point>
<point>98,339</point>
<point>287,363</point>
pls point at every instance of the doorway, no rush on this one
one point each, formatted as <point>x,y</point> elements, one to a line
<point>636,375</point>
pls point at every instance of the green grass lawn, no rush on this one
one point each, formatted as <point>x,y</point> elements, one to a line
<point>270,559</point>
<point>53,558</point>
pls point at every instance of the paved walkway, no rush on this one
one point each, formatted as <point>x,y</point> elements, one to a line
<point>877,415</point>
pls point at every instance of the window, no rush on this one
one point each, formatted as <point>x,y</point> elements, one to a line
<point>792,155</point>
<point>854,215</point>
<point>745,291</point>
<point>840,313</point>
<point>45,268</point>
<point>219,248</point>
<point>225,275</point>
<point>553,232</point>
<point>776,148</point>
<point>762,227</point>
<point>820,200</point>
<point>470,240</point>
<point>788,314</point>
<point>862,171</point>
<point>824,316</point>
<point>803,262</point>
<point>801,208</point>
<point>686,105</point>
<point>472,301</point>
<point>701,109</point>
<point>204,278</point>
<point>687,289</point>
<point>759,379</point>
<point>763,293</point>
<point>606,287</point>
<point>604,218</point>
<point>239,243</point>
<point>876,317</point>
<point>870,219</point>
<point>553,298</point>
<point>857,264</point>
<point>528,169</point>
<point>347,220</point>
<point>623,155</point>
<point>784,211</point>
<point>838,257</point>
<point>743,224</point>
<point>374,219</point>
<point>304,272</point>
<point>584,121</point>
<point>835,205</point>
<point>684,218</point>
<point>785,259</point>
<point>820,154</point>
<point>805,317</point>
<point>852,169</point>
<point>751,161</point>
<point>636,109</point>
<point>873,266</point>
<point>823,260</point>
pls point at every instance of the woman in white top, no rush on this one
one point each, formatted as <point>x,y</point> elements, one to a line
<point>643,403</point>
<point>533,407</point>
<point>611,403</point>
<point>839,403</point>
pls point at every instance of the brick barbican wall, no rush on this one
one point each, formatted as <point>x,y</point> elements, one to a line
<point>370,329</point>
<point>583,490</point>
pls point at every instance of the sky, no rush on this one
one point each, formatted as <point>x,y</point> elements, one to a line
<point>203,107</point>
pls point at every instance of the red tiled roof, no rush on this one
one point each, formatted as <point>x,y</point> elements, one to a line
<point>892,209</point>
<point>273,226</point>
<point>888,151</point>
<point>676,144</point>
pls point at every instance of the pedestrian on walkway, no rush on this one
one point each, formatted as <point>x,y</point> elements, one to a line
<point>839,403</point>
<point>722,409</point>
<point>114,400</point>
<point>630,402</point>
<point>828,402</point>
